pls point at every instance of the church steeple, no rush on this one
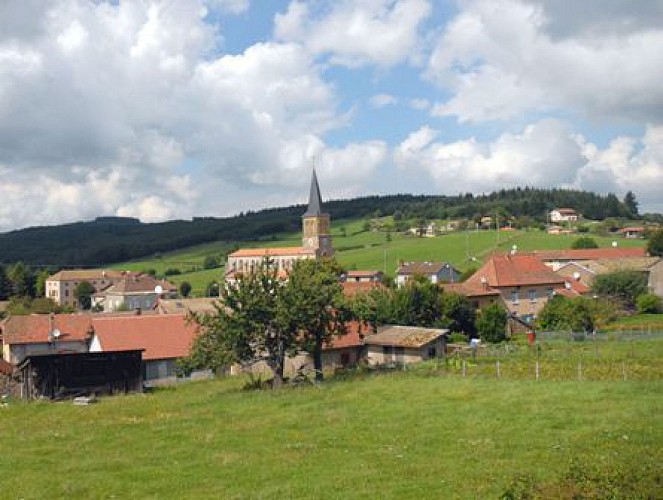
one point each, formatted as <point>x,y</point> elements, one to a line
<point>316,227</point>
<point>314,198</point>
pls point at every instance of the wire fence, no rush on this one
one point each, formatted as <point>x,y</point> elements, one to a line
<point>624,355</point>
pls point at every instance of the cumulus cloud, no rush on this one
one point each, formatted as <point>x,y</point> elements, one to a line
<point>354,33</point>
<point>382,100</point>
<point>129,109</point>
<point>544,154</point>
<point>503,59</point>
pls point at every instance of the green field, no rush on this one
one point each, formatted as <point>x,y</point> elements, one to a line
<point>359,249</point>
<point>423,433</point>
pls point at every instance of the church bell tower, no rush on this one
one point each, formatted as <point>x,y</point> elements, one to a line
<point>316,228</point>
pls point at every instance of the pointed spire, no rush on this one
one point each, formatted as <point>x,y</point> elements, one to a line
<point>314,198</point>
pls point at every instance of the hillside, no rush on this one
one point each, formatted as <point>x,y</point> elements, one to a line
<point>114,239</point>
<point>423,433</point>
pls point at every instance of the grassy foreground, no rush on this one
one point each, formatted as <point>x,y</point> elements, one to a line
<point>414,434</point>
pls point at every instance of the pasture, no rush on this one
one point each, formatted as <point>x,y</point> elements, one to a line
<point>427,432</point>
<point>357,248</point>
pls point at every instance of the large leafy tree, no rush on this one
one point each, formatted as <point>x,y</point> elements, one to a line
<point>655,244</point>
<point>561,313</point>
<point>315,306</point>
<point>624,286</point>
<point>631,204</point>
<point>5,285</point>
<point>251,324</point>
<point>418,303</point>
<point>21,280</point>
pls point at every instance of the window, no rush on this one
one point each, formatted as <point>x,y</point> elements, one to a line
<point>531,295</point>
<point>550,292</point>
<point>514,296</point>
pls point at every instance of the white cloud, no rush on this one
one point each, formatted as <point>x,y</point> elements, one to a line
<point>545,154</point>
<point>354,33</point>
<point>382,100</point>
<point>232,6</point>
<point>124,109</point>
<point>419,104</point>
<point>502,59</point>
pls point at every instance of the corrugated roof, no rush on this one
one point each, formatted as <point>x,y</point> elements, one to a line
<point>404,336</point>
<point>165,336</point>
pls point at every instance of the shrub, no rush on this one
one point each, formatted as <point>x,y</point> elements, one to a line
<point>172,271</point>
<point>491,323</point>
<point>648,303</point>
<point>623,285</point>
<point>585,242</point>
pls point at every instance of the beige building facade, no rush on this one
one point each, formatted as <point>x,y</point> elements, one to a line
<point>60,286</point>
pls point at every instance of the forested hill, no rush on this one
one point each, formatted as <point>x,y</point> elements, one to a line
<point>115,239</point>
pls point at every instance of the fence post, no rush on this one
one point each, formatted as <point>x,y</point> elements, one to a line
<point>624,370</point>
<point>464,368</point>
<point>497,365</point>
<point>580,371</point>
<point>537,369</point>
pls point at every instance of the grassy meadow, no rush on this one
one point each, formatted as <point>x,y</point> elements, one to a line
<point>426,432</point>
<point>360,249</point>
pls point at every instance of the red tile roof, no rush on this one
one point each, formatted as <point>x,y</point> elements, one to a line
<point>589,253</point>
<point>470,289</point>
<point>271,252</point>
<point>354,336</point>
<point>35,329</point>
<point>513,270</point>
<point>162,337</point>
<point>352,288</point>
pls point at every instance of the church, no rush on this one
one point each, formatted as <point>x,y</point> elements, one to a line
<point>316,243</point>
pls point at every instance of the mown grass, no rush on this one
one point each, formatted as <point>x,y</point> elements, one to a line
<point>422,433</point>
<point>360,249</point>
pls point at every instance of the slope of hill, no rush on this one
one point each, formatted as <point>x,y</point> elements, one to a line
<point>115,239</point>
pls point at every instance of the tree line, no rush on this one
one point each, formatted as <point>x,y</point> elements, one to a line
<point>108,240</point>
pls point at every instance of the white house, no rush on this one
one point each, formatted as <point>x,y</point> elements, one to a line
<point>564,215</point>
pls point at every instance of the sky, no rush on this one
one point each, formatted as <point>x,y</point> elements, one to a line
<point>178,108</point>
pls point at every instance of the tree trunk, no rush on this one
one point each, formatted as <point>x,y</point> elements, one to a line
<point>317,358</point>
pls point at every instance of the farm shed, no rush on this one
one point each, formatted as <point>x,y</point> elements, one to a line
<point>405,344</point>
<point>57,376</point>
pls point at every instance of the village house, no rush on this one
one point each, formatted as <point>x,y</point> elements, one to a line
<point>525,284</point>
<point>479,296</point>
<point>404,345</point>
<point>557,258</point>
<point>316,243</point>
<point>564,215</point>
<point>632,232</point>
<point>362,277</point>
<point>42,334</point>
<point>163,340</point>
<point>132,292</point>
<point>435,272</point>
<point>60,286</point>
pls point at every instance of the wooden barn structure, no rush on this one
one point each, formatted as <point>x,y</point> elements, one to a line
<point>61,376</point>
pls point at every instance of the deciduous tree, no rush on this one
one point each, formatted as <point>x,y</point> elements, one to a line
<point>251,324</point>
<point>315,305</point>
<point>83,293</point>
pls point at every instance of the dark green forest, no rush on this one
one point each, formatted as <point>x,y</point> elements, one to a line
<point>114,239</point>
